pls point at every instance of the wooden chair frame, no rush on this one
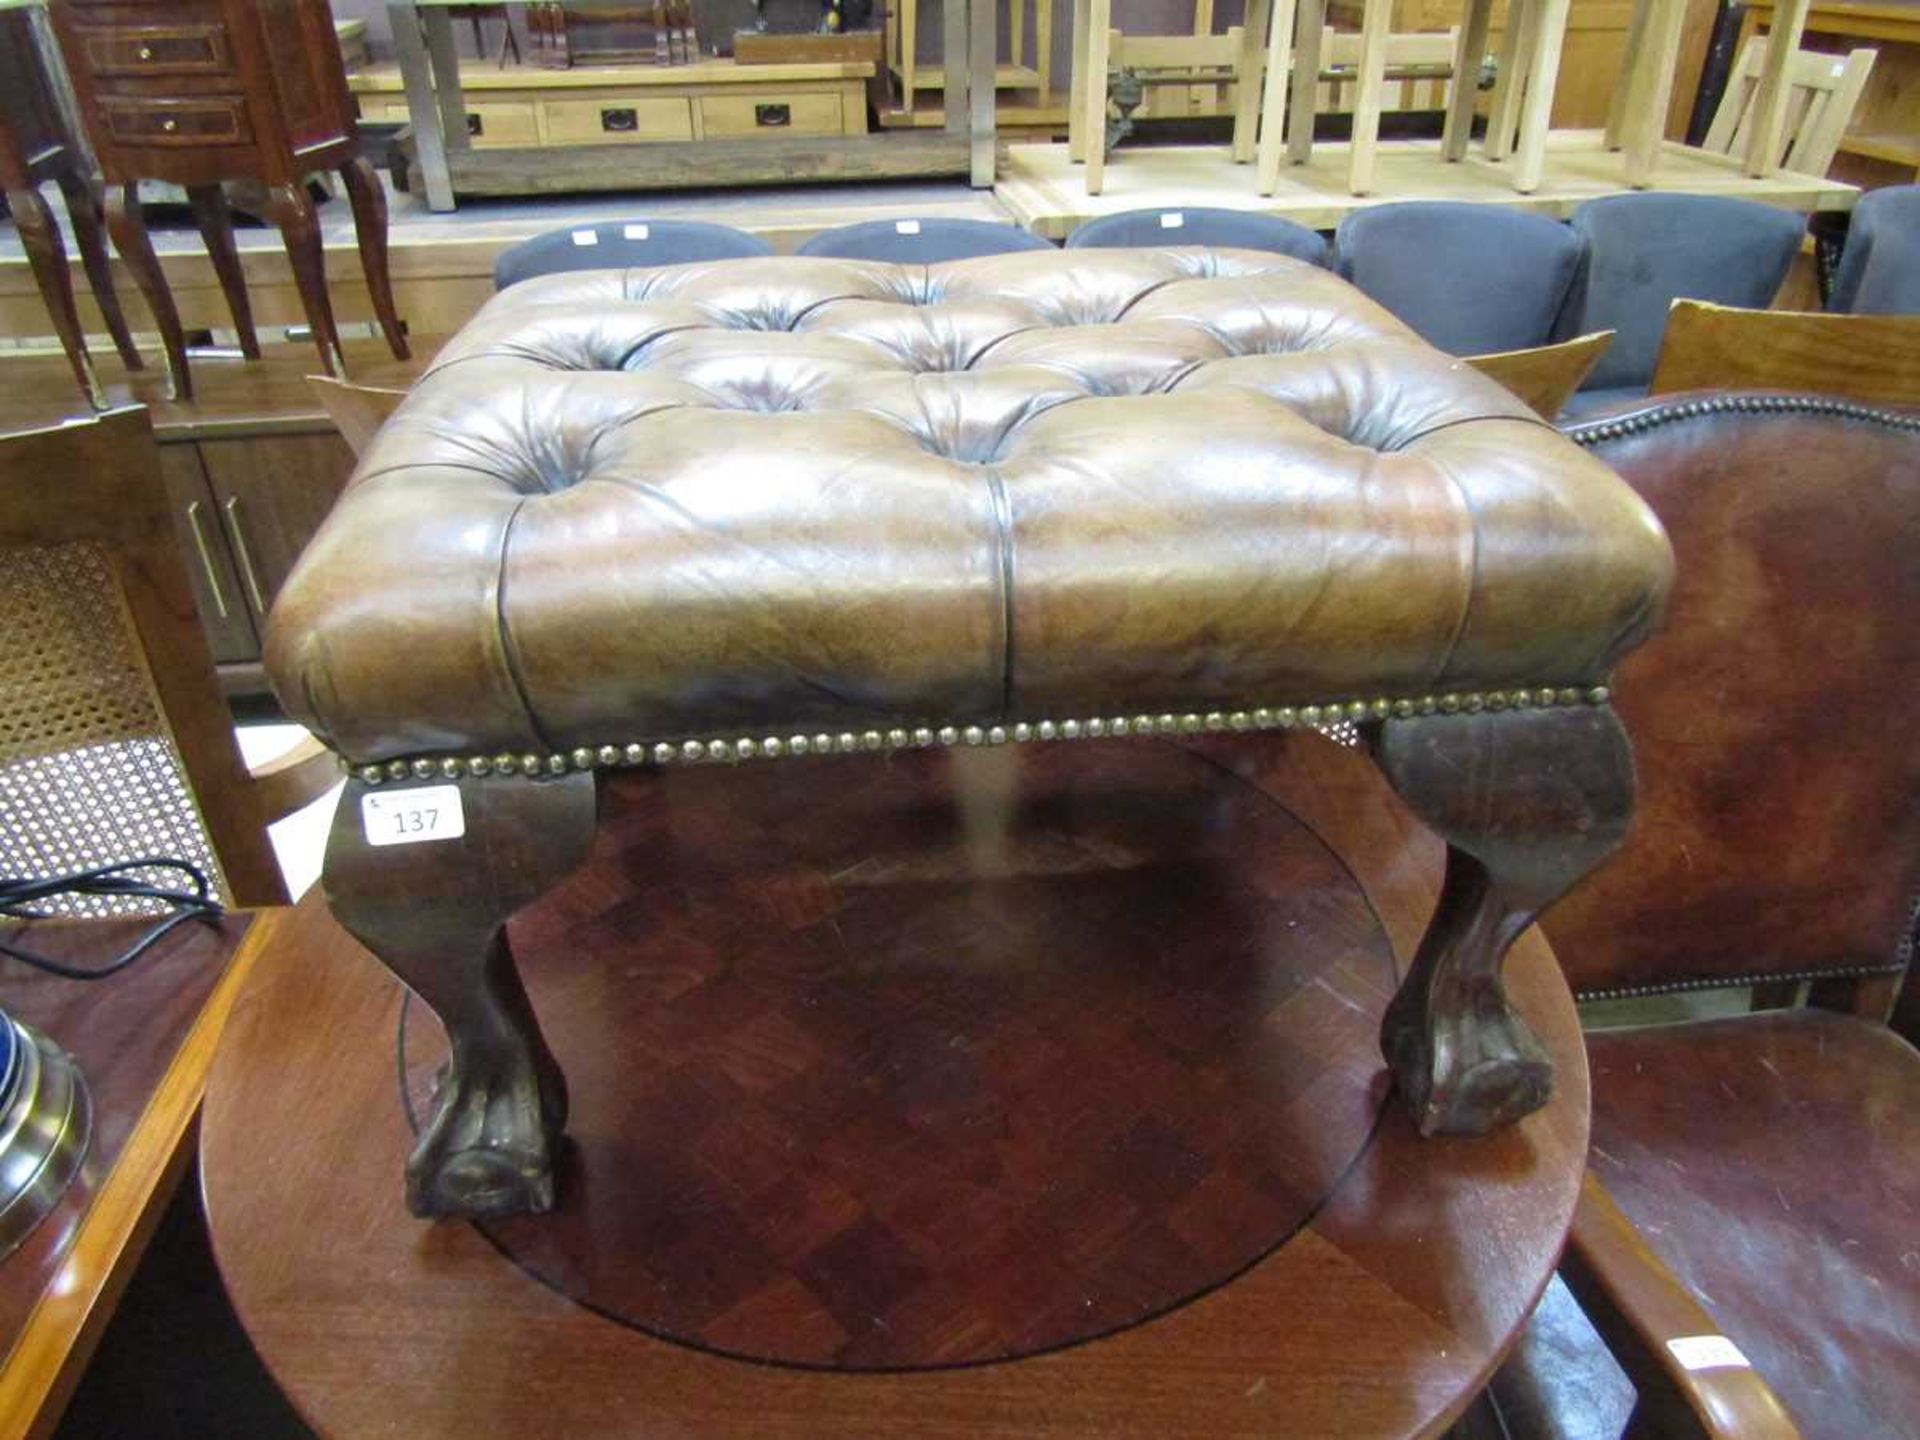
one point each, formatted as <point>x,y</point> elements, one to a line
<point>1521,112</point>
<point>1545,376</point>
<point>111,494</point>
<point>1870,358</point>
<point>900,42</point>
<point>1822,91</point>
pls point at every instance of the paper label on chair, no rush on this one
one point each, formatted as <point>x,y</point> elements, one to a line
<point>586,237</point>
<point>906,227</point>
<point>634,232</point>
<point>413,816</point>
<point>1707,1352</point>
<point>1172,220</point>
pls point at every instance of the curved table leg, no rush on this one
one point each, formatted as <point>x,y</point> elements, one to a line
<point>293,213</point>
<point>210,213</point>
<point>85,201</point>
<point>1528,802</point>
<point>369,202</point>
<point>47,255</point>
<point>129,231</point>
<point>435,912</point>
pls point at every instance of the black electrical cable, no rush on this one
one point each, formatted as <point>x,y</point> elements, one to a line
<point>19,897</point>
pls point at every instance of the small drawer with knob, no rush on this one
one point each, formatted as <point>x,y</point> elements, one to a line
<point>157,49</point>
<point>203,120</point>
<point>740,116</point>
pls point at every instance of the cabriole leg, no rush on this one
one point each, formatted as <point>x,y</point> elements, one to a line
<point>435,912</point>
<point>1528,802</point>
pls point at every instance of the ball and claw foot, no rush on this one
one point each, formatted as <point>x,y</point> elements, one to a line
<point>1469,1080</point>
<point>488,1150</point>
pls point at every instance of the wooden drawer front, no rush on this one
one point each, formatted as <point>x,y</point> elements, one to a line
<point>205,120</point>
<point>737,115</point>
<point>623,118</point>
<point>158,49</point>
<point>382,107</point>
<point>489,126</point>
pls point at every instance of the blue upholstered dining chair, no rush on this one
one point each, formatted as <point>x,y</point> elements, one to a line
<point>1644,251</point>
<point>618,244</point>
<point>1239,229</point>
<point>1879,272</point>
<point>1471,279</point>
<point>922,242</point>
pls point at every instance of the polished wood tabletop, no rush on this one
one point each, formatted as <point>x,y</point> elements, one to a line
<point>1009,1092</point>
<point>143,1040</point>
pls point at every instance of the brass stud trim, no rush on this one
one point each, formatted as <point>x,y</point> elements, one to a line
<point>732,751</point>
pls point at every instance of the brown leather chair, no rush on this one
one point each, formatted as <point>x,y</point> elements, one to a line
<point>1770,1161</point>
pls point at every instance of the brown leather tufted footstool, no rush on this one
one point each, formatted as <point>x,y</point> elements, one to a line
<point>764,509</point>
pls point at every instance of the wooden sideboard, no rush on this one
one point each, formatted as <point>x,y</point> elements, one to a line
<point>252,466</point>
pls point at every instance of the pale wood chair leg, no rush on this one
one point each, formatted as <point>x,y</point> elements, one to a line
<point>1273,116</point>
<point>1632,78</point>
<point>1375,20</point>
<point>1549,33</point>
<point>1467,53</point>
<point>909,47</point>
<point>955,52</point>
<point>1201,96</point>
<point>1310,22</point>
<point>1094,117</point>
<point>1247,83</point>
<point>1077,86</point>
<point>1646,123</point>
<point>1516,48</point>
<point>1774,90</point>
<point>1043,48</point>
<point>1017,31</point>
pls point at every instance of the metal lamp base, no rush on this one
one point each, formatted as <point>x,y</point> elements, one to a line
<point>46,1120</point>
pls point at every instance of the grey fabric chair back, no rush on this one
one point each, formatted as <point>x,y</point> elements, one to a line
<point>1879,271</point>
<point>922,242</point>
<point>1471,279</point>
<point>1237,229</point>
<point>1645,251</point>
<point>618,244</point>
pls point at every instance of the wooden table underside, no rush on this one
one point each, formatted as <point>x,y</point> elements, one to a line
<point>1382,1313</point>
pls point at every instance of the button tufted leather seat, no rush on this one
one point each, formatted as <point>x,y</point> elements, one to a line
<point>756,495</point>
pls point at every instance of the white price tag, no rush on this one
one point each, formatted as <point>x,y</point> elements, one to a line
<point>906,227</point>
<point>586,237</point>
<point>412,816</point>
<point>1172,220</point>
<point>634,232</point>
<point>1707,1352</point>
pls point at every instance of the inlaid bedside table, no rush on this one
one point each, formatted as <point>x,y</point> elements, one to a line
<point>200,91</point>
<point>37,145</point>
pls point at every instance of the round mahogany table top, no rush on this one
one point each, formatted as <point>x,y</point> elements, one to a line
<point>1030,1091</point>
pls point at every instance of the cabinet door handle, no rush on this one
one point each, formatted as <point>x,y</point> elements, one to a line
<point>237,527</point>
<point>620,120</point>
<point>206,559</point>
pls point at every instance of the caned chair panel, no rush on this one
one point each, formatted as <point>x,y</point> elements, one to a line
<point>115,743</point>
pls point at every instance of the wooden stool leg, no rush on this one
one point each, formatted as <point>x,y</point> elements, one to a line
<point>1627,88</point>
<point>1043,49</point>
<point>1077,83</point>
<point>1516,48</point>
<point>1528,802</point>
<point>1273,98</point>
<point>369,201</point>
<point>1375,20</point>
<point>1093,120</point>
<point>1468,51</point>
<point>1310,19</point>
<point>1644,127</point>
<point>47,256</point>
<point>909,43</point>
<point>129,230</point>
<point>1248,87</point>
<point>84,201</point>
<point>210,213</point>
<point>435,914</point>
<point>300,232</point>
<point>1548,34</point>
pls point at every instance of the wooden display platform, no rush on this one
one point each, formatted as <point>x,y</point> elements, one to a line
<point>1043,1080</point>
<point>1046,192</point>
